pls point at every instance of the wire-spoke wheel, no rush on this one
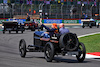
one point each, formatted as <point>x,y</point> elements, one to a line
<point>82,52</point>
<point>49,52</point>
<point>22,48</point>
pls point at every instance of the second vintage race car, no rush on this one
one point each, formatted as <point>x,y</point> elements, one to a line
<point>89,23</point>
<point>12,26</point>
<point>31,25</point>
<point>67,43</point>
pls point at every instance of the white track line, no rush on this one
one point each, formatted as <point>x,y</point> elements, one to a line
<point>88,34</point>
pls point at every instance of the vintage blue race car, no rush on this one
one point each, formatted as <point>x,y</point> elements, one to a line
<point>67,43</point>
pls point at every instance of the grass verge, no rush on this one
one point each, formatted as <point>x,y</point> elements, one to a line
<point>92,43</point>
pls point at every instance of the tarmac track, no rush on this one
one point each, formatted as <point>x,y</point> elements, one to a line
<point>9,52</point>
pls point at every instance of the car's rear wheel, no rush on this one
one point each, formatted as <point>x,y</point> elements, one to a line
<point>82,52</point>
<point>98,26</point>
<point>22,48</point>
<point>83,26</point>
<point>90,26</point>
<point>21,31</point>
<point>49,52</point>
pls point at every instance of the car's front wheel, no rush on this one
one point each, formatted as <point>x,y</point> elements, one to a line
<point>33,28</point>
<point>49,52</point>
<point>82,52</point>
<point>3,32</point>
<point>83,26</point>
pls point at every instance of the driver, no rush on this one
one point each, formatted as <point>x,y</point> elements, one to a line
<point>51,31</point>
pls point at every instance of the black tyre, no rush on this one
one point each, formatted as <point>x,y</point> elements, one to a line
<point>83,26</point>
<point>90,26</point>
<point>82,52</point>
<point>33,28</point>
<point>97,26</point>
<point>49,52</point>
<point>22,48</point>
<point>21,31</point>
<point>16,31</point>
<point>68,41</point>
<point>3,32</point>
<point>9,31</point>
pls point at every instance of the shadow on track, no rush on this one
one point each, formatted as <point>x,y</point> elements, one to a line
<point>60,60</point>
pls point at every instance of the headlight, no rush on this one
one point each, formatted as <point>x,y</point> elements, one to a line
<point>81,23</point>
<point>2,27</point>
<point>97,23</point>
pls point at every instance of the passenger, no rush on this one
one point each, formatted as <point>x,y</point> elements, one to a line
<point>51,31</point>
<point>62,29</point>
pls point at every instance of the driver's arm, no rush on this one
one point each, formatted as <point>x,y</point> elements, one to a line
<point>45,27</point>
<point>48,29</point>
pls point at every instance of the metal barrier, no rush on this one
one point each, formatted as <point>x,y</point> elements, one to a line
<point>57,11</point>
